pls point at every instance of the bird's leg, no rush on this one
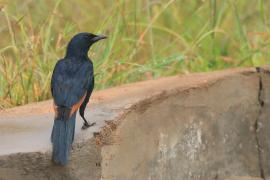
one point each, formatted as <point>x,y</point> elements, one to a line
<point>86,124</point>
<point>82,108</point>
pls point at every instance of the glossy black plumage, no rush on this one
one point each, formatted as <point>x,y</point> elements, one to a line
<point>71,80</point>
<point>71,86</point>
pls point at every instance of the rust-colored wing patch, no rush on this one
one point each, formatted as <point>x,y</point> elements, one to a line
<point>74,108</point>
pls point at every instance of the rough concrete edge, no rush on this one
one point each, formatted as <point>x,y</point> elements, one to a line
<point>256,125</point>
<point>42,107</point>
<point>261,101</point>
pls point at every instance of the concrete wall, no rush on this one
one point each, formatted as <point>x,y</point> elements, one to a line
<point>201,126</point>
<point>202,133</point>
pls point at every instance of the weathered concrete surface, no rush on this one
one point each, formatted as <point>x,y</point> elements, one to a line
<point>200,126</point>
<point>202,133</point>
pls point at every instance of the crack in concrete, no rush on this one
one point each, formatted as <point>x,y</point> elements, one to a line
<point>256,125</point>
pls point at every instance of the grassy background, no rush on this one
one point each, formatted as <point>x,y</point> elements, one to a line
<point>147,39</point>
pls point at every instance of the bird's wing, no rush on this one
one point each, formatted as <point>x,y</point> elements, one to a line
<point>70,84</point>
<point>87,97</point>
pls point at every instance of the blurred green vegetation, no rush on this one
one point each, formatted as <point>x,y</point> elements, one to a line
<point>147,39</point>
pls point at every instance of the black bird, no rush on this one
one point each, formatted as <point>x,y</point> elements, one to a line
<point>71,87</point>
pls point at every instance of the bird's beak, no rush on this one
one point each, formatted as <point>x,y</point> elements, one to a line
<point>99,37</point>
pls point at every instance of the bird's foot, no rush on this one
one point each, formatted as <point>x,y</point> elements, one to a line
<point>87,125</point>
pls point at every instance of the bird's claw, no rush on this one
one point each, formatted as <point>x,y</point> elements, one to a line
<point>87,125</point>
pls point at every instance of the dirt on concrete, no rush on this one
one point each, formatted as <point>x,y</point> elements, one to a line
<point>200,126</point>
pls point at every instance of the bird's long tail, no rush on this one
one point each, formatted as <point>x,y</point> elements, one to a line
<point>62,135</point>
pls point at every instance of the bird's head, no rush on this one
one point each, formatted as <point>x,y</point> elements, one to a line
<point>80,44</point>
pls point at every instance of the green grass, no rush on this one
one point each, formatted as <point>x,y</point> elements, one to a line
<point>147,39</point>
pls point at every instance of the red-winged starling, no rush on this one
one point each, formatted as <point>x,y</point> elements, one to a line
<point>71,87</point>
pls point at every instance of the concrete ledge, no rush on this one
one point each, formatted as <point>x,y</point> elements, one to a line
<point>199,126</point>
